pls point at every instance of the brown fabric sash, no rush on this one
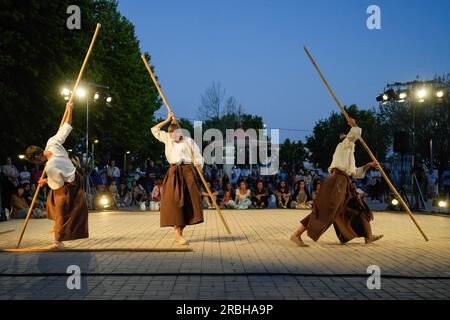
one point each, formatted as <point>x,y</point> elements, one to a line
<point>337,171</point>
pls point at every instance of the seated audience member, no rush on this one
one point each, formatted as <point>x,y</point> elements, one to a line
<point>316,189</point>
<point>24,176</point>
<point>155,202</point>
<point>20,206</point>
<point>123,196</point>
<point>103,179</point>
<point>260,196</point>
<point>283,195</point>
<point>207,203</point>
<point>41,199</point>
<point>229,187</point>
<point>114,191</point>
<point>27,193</point>
<point>227,201</point>
<point>42,196</point>
<point>137,193</point>
<point>360,193</point>
<point>301,199</point>
<point>36,173</point>
<point>243,196</point>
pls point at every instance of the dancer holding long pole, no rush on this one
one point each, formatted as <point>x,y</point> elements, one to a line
<point>41,157</point>
<point>366,147</point>
<point>195,156</point>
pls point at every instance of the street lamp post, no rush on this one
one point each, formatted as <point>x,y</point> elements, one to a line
<point>87,126</point>
<point>125,160</point>
<point>93,152</point>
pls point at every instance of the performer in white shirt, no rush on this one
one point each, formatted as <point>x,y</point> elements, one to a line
<point>336,202</point>
<point>181,201</point>
<point>66,201</point>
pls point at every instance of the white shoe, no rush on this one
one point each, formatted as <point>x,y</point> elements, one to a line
<point>182,241</point>
<point>56,245</point>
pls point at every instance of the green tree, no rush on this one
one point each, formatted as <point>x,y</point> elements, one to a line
<point>432,122</point>
<point>293,154</point>
<point>39,54</point>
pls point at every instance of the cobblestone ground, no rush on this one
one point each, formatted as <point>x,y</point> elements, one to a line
<point>257,262</point>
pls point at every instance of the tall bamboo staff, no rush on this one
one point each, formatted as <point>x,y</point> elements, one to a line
<point>80,75</point>
<point>397,195</point>
<point>161,94</point>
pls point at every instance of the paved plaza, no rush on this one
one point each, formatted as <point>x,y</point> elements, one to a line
<point>257,262</point>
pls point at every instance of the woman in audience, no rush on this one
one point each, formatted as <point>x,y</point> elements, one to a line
<point>229,187</point>
<point>243,196</point>
<point>137,193</point>
<point>301,199</point>
<point>114,191</point>
<point>283,195</point>
<point>227,201</point>
<point>155,202</point>
<point>316,189</point>
<point>124,196</point>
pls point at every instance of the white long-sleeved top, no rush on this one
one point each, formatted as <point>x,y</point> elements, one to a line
<point>344,155</point>
<point>185,151</point>
<point>59,168</point>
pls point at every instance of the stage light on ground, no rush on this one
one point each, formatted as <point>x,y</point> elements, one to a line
<point>96,141</point>
<point>440,94</point>
<point>128,152</point>
<point>394,202</point>
<point>21,156</point>
<point>96,96</point>
<point>104,202</point>
<point>442,204</point>
<point>81,92</point>
<point>109,99</point>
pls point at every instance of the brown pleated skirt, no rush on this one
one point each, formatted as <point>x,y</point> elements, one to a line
<point>181,201</point>
<point>67,206</point>
<point>337,204</point>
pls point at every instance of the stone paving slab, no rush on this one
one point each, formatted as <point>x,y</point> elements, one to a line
<point>263,287</point>
<point>228,267</point>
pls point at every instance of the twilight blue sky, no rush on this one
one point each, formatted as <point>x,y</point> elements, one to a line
<point>254,48</point>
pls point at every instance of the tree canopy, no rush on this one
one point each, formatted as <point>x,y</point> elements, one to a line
<point>39,55</point>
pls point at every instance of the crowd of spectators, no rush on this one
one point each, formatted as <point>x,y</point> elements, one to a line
<point>237,188</point>
<point>17,192</point>
<point>240,188</point>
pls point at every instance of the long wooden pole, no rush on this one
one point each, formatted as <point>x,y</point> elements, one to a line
<point>80,75</point>
<point>161,94</point>
<point>397,195</point>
